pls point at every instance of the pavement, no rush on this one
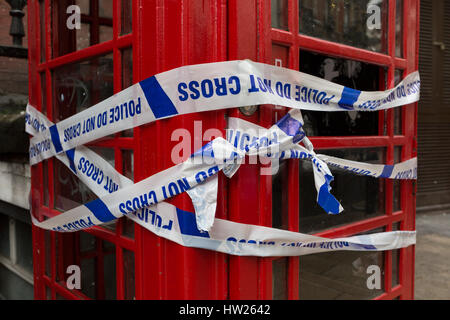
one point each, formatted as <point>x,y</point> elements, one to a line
<point>432,269</point>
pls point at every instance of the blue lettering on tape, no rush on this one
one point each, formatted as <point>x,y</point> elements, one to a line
<point>188,225</point>
<point>157,99</point>
<point>100,210</point>
<point>71,156</point>
<point>325,199</point>
<point>387,171</point>
<point>55,138</point>
<point>348,98</point>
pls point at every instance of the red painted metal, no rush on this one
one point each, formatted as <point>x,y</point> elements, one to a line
<point>169,34</point>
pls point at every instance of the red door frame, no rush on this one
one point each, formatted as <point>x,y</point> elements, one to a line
<point>189,32</point>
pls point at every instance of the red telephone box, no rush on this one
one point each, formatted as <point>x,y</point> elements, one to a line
<point>359,44</point>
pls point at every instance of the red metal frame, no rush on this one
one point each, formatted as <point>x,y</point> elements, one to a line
<point>189,32</point>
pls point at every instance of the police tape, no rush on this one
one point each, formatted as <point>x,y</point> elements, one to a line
<point>207,87</point>
<point>244,134</point>
<point>181,226</point>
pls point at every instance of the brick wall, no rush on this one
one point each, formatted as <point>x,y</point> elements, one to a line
<point>13,72</point>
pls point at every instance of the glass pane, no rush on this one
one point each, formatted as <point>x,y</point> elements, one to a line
<point>399,110</point>
<point>395,267</point>
<point>362,197</point>
<point>83,36</point>
<point>109,270</point>
<point>79,86</point>
<point>361,23</point>
<point>127,78</point>
<point>106,153</point>
<point>87,242</point>
<point>127,17</point>
<point>24,245</point>
<point>128,164</point>
<point>348,73</point>
<point>67,253</point>
<point>43,93</point>
<point>399,28</point>
<point>279,14</point>
<point>279,278</point>
<point>69,191</point>
<point>45,182</point>
<point>75,30</point>
<point>341,275</point>
<point>127,227</point>
<point>4,236</point>
<point>397,183</point>
<point>106,33</point>
<point>42,28</point>
<point>127,67</point>
<point>280,201</point>
<point>84,6</point>
<point>128,275</point>
<point>48,252</point>
<point>106,8</point>
<point>88,279</point>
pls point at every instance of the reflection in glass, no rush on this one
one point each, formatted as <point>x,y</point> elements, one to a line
<point>128,163</point>
<point>340,275</point>
<point>362,197</point>
<point>399,28</point>
<point>361,23</point>
<point>48,252</point>
<point>106,153</point>
<point>105,8</point>
<point>69,191</point>
<point>128,275</point>
<point>45,182</point>
<point>83,36</point>
<point>88,280</point>
<point>395,267</point>
<point>348,73</point>
<point>279,278</point>
<point>84,6</point>
<point>109,270</point>
<point>279,14</point>
<point>79,86</point>
<point>127,78</point>
<point>399,110</point>
<point>96,25</point>
<point>397,183</point>
<point>42,22</point>
<point>127,17</point>
<point>280,197</point>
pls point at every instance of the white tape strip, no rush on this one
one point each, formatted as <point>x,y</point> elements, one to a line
<point>181,227</point>
<point>241,132</point>
<point>208,87</point>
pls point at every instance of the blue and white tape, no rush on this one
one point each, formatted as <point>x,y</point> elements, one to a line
<point>207,87</point>
<point>202,88</point>
<point>172,223</point>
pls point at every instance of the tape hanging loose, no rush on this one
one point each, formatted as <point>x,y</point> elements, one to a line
<point>202,88</point>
